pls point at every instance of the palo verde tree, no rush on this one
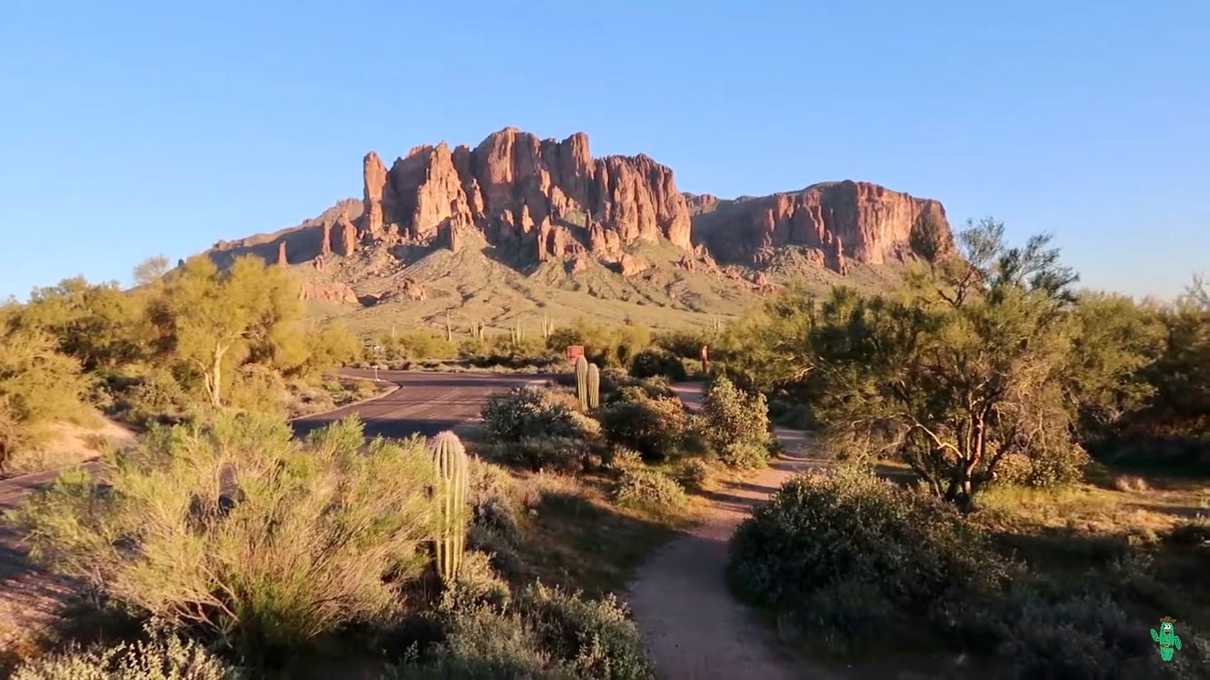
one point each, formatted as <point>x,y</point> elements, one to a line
<point>961,370</point>
<point>211,321</point>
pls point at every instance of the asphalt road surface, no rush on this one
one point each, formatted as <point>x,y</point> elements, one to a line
<point>423,403</point>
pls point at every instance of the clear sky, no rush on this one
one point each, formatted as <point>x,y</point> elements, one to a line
<point>134,129</point>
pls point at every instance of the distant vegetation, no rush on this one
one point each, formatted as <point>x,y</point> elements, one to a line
<point>192,338</point>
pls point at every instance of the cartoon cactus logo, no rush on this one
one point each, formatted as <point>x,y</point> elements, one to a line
<point>1166,640</point>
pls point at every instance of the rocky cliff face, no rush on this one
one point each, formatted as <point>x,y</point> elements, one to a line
<point>547,198</point>
<point>845,221</point>
<point>538,199</point>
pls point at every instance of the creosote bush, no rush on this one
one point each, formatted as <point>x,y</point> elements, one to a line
<point>643,487</point>
<point>734,417</point>
<point>239,529</point>
<point>654,427</point>
<point>542,633</point>
<point>654,362</point>
<point>744,455</point>
<point>825,535</point>
<point>528,411</point>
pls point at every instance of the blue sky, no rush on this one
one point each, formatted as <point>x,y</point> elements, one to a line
<point>142,129</point>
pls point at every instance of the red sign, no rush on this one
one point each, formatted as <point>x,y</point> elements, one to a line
<point>574,352</point>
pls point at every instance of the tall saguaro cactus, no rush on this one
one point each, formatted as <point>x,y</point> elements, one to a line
<point>582,382</point>
<point>449,330</point>
<point>594,386</point>
<point>449,456</point>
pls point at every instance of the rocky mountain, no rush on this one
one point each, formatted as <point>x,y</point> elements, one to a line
<point>547,210</point>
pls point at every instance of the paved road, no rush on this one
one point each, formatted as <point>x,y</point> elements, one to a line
<point>424,403</point>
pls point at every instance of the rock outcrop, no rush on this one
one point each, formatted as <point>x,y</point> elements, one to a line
<point>328,292</point>
<point>846,221</point>
<point>518,189</point>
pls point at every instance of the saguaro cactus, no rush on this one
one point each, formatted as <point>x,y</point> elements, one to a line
<point>449,456</point>
<point>582,382</point>
<point>594,386</point>
<point>449,330</point>
<point>548,327</point>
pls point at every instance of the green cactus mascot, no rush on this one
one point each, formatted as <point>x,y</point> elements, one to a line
<point>449,457</point>
<point>1166,639</point>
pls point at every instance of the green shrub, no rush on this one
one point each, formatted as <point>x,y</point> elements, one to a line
<point>744,455</point>
<point>613,380</point>
<point>1064,635</point>
<point>653,362</point>
<point>733,417</point>
<point>539,452</point>
<point>525,411</point>
<point>594,639</point>
<point>164,657</point>
<point>692,473</point>
<point>621,458</point>
<point>545,633</point>
<point>642,487</point>
<point>158,397</point>
<point>654,427</point>
<point>847,528</point>
<point>240,529</point>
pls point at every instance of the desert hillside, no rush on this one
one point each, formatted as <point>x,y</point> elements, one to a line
<point>520,227</point>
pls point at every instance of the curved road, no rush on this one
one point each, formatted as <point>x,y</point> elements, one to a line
<point>423,403</point>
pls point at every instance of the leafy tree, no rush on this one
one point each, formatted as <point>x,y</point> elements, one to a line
<point>150,270</point>
<point>95,323</point>
<point>211,320</point>
<point>37,384</point>
<point>1115,342</point>
<point>959,371</point>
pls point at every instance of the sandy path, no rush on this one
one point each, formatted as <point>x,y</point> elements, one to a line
<point>692,625</point>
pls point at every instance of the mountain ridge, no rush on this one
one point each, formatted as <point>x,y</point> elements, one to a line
<point>548,206</point>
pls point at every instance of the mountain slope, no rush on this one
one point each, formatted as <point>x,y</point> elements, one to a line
<point>524,228</point>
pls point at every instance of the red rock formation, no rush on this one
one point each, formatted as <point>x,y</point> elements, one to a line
<point>513,183</point>
<point>328,292</point>
<point>633,264</point>
<point>847,220</point>
<point>346,237</point>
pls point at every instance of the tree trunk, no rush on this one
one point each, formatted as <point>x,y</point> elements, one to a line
<point>215,380</point>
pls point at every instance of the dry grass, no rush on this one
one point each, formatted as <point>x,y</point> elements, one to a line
<point>67,443</point>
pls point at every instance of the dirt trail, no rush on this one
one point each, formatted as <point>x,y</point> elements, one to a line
<point>692,625</point>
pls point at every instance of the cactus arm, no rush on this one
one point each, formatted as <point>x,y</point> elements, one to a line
<point>582,382</point>
<point>1155,637</point>
<point>1176,641</point>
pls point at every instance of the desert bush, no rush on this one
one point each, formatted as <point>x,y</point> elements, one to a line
<point>163,657</point>
<point>653,362</point>
<point>565,454</point>
<point>544,634</point>
<point>1127,483</point>
<point>157,397</point>
<point>621,458</point>
<point>37,384</point>
<point>525,411</point>
<point>692,473</point>
<point>613,380</point>
<point>744,455</point>
<point>643,487</point>
<point>239,529</point>
<point>594,639</point>
<point>733,417</point>
<point>258,389</point>
<point>848,529</point>
<point>1043,634</point>
<point>654,427</point>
